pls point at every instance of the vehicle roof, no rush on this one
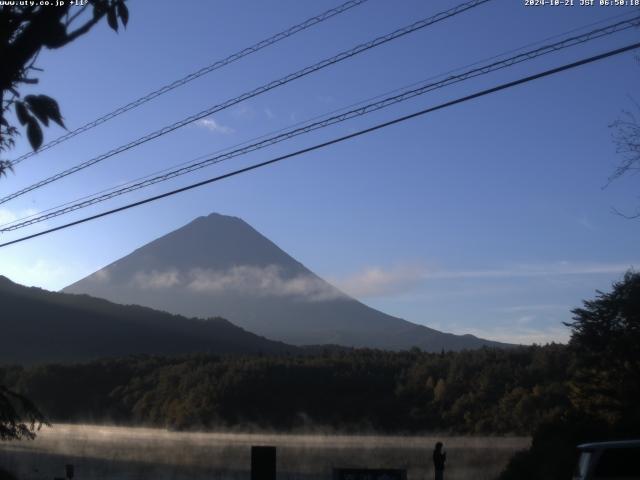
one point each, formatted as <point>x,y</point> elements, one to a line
<point>605,445</point>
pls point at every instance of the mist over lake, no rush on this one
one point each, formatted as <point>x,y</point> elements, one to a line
<point>99,452</point>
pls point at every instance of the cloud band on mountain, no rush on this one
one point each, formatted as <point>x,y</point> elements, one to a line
<point>245,279</point>
<point>157,280</point>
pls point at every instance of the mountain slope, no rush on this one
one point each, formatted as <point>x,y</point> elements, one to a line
<point>41,326</point>
<point>220,266</point>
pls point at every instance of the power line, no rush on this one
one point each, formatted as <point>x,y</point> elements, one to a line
<point>318,146</point>
<point>335,111</point>
<point>308,120</point>
<point>94,196</point>
<point>303,122</point>
<point>310,22</point>
<point>286,135</point>
<point>264,88</point>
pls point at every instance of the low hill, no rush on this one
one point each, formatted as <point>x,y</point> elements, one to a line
<point>41,326</point>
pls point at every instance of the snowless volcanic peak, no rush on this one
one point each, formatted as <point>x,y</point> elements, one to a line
<point>219,266</point>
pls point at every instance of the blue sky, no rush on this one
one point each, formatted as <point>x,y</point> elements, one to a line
<point>489,217</point>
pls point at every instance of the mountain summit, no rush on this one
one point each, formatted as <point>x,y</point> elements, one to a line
<point>220,266</point>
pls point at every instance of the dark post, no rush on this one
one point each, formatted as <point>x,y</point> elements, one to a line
<point>69,471</point>
<point>263,463</point>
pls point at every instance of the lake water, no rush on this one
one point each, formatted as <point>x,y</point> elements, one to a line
<point>122,453</point>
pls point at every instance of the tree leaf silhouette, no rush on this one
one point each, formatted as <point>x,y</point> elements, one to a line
<point>123,13</point>
<point>22,114</point>
<point>112,19</point>
<point>34,133</point>
<point>45,108</point>
<point>36,108</point>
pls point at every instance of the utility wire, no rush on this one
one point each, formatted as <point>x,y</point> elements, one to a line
<point>308,120</point>
<point>318,146</point>
<point>264,88</point>
<point>310,22</point>
<point>304,122</point>
<point>371,107</point>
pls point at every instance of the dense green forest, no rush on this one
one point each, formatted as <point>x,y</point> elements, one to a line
<point>481,391</point>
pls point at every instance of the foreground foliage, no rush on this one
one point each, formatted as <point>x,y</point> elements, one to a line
<point>19,418</point>
<point>604,385</point>
<point>26,28</point>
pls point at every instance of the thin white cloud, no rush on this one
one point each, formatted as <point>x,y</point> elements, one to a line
<point>402,280</point>
<point>243,111</point>
<point>523,334</point>
<point>8,216</point>
<point>213,126</point>
<point>263,281</point>
<point>379,282</point>
<point>269,113</point>
<point>532,270</point>
<point>586,222</point>
<point>533,308</point>
<point>326,99</point>
<point>525,319</point>
<point>244,279</point>
<point>101,276</point>
<point>157,280</point>
<point>37,272</point>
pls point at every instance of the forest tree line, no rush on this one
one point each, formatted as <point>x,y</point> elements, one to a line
<point>480,391</point>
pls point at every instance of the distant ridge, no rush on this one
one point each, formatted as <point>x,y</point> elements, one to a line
<point>39,326</point>
<point>220,266</point>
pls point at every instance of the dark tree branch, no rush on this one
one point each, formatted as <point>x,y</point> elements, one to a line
<point>76,15</point>
<point>19,418</point>
<point>82,30</point>
<point>24,31</point>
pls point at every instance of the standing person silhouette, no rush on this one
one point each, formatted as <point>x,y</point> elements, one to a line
<point>439,457</point>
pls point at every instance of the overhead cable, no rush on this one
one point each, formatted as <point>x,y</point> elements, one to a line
<point>310,22</point>
<point>359,133</point>
<point>262,89</point>
<point>357,112</point>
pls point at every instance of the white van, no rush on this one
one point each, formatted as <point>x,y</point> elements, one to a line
<point>609,461</point>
